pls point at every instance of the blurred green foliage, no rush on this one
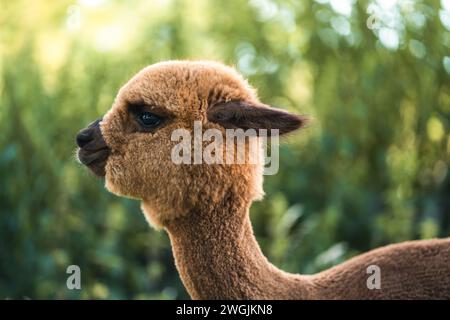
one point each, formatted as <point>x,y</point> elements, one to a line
<point>371,169</point>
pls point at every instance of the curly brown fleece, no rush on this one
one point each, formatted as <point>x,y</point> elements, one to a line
<point>205,208</point>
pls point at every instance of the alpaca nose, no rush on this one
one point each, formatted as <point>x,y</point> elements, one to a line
<point>84,137</point>
<point>88,134</point>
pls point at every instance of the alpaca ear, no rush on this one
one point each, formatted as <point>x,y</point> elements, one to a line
<point>238,114</point>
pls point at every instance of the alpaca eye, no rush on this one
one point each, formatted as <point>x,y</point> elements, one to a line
<point>148,119</point>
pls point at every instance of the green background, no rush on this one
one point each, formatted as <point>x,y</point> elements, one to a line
<point>371,169</point>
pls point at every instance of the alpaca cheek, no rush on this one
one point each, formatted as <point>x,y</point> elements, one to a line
<point>114,179</point>
<point>119,180</point>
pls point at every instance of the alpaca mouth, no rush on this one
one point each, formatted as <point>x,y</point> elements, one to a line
<point>94,160</point>
<point>93,151</point>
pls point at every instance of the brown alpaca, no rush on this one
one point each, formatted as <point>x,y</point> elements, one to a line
<point>205,207</point>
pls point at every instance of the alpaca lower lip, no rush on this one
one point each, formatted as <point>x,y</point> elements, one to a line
<point>88,157</point>
<point>98,168</point>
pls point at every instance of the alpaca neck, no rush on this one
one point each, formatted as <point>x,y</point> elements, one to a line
<point>218,257</point>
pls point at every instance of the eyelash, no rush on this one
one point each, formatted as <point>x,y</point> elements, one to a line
<point>148,120</point>
<point>139,111</point>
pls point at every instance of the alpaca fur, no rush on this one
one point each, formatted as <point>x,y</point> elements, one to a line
<point>205,208</point>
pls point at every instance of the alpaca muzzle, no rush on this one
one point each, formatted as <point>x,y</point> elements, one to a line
<point>93,151</point>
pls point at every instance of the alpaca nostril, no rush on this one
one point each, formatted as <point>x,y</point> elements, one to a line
<point>84,137</point>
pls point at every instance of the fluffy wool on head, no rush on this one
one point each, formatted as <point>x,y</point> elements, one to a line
<point>140,164</point>
<point>204,207</point>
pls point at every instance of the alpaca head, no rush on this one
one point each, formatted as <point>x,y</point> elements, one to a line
<point>133,144</point>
